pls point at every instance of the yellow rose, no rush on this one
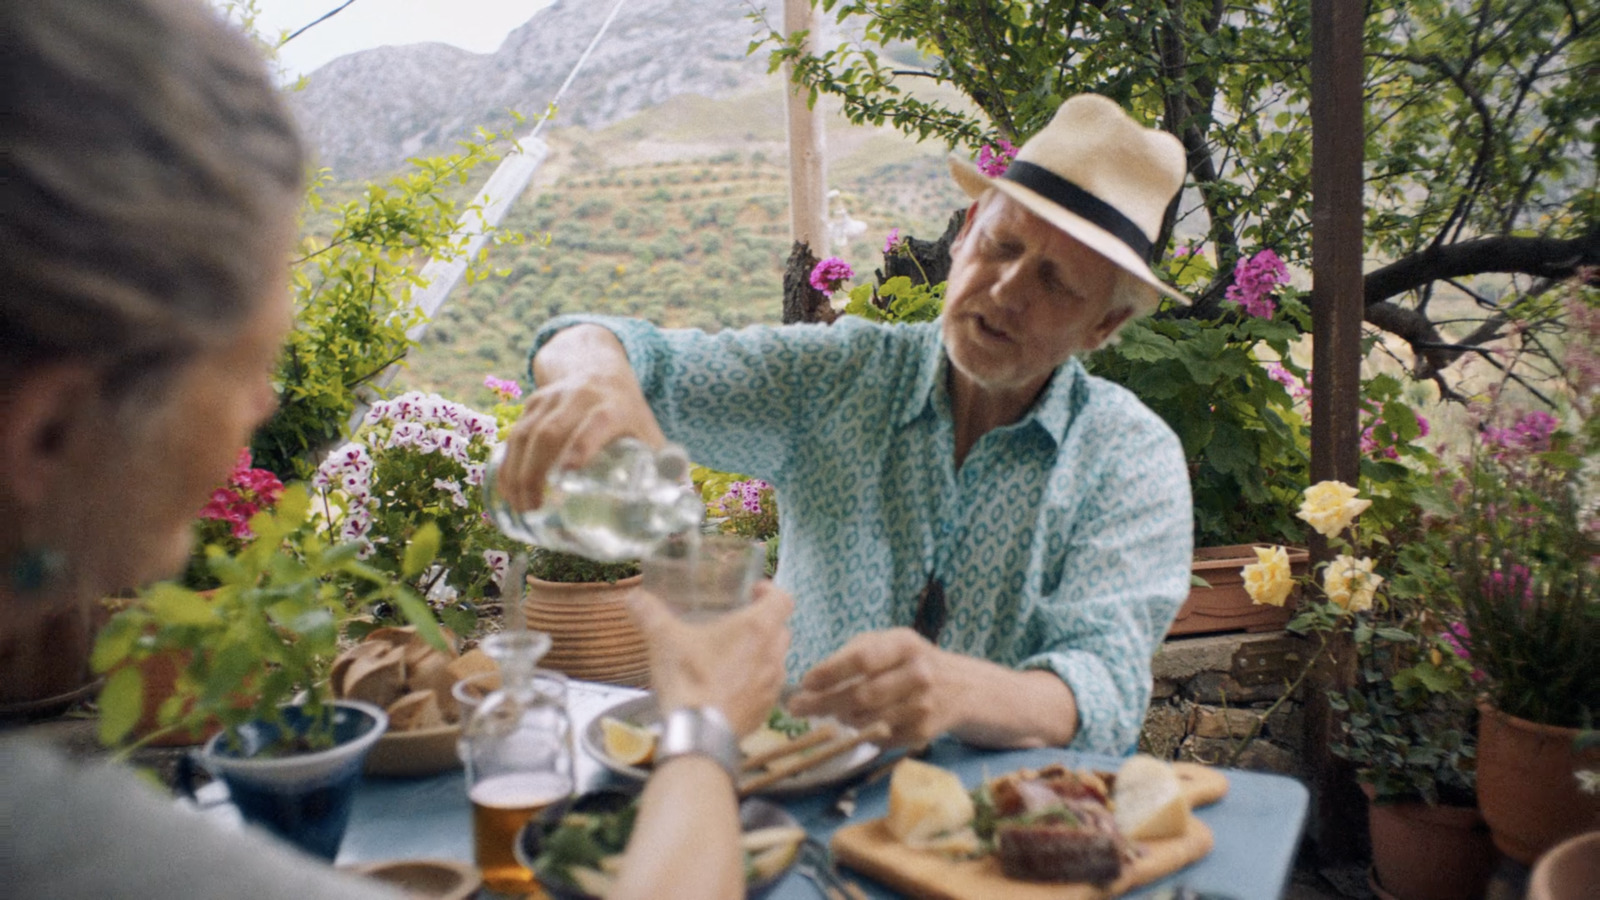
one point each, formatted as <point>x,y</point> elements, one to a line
<point>1330,507</point>
<point>1267,580</point>
<point>1350,583</point>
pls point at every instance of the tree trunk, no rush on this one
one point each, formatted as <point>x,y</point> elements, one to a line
<point>801,301</point>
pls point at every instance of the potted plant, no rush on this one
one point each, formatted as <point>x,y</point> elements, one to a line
<point>224,522</point>
<point>1407,726</point>
<point>1524,554</point>
<point>416,459</point>
<point>580,604</point>
<point>259,647</point>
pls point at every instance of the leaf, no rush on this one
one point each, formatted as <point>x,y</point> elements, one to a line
<point>121,705</point>
<point>114,643</point>
<point>172,604</point>
<point>422,549</point>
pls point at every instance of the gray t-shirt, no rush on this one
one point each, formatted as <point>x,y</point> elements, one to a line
<point>75,831</point>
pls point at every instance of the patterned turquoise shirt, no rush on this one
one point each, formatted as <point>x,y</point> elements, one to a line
<point>1063,542</point>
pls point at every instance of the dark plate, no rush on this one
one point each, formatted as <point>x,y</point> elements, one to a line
<point>754,813</point>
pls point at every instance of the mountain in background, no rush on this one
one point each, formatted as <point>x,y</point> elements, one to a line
<point>367,112</point>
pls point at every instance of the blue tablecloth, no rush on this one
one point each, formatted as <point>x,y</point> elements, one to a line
<point>1257,826</point>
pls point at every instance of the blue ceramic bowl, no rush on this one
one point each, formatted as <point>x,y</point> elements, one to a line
<point>754,813</point>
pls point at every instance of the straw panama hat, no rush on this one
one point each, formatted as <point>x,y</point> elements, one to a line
<point>1098,175</point>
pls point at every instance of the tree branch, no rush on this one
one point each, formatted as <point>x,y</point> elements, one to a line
<point>1541,257</point>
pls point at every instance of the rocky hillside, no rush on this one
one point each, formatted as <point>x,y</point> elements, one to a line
<point>369,111</point>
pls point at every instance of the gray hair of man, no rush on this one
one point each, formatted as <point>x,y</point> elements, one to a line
<point>1130,294</point>
<point>144,156</point>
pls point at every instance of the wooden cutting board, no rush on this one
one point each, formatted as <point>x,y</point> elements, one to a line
<point>869,848</point>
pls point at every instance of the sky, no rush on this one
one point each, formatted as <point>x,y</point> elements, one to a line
<point>477,25</point>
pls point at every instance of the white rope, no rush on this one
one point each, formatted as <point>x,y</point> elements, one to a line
<point>556,101</point>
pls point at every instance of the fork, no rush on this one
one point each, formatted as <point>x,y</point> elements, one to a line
<point>816,863</point>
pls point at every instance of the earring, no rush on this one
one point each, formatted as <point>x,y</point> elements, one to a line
<point>34,570</point>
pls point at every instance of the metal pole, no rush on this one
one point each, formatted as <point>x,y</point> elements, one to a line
<point>1337,138</point>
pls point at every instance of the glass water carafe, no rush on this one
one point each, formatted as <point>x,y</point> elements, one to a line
<point>619,506</point>
<point>517,751</point>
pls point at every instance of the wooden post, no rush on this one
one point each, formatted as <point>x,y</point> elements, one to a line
<point>808,181</point>
<point>1337,137</point>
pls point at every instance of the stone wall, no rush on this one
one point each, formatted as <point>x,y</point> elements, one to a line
<point>1211,693</point>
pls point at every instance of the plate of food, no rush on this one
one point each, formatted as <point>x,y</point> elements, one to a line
<point>787,756</point>
<point>1050,833</point>
<point>575,847</point>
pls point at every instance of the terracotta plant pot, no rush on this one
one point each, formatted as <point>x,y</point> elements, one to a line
<point>1224,606</point>
<point>1422,852</point>
<point>591,634</point>
<point>1570,871</point>
<point>1527,787</point>
<point>158,677</point>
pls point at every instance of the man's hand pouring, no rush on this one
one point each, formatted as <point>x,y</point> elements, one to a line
<point>587,398</point>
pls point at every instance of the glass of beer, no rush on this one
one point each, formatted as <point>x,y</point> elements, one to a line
<point>517,751</point>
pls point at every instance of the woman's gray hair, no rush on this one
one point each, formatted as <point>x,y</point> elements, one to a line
<point>145,160</point>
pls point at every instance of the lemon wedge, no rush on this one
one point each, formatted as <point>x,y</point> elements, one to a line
<point>626,742</point>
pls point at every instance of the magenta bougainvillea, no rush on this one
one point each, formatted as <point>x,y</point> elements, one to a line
<point>1255,279</point>
<point>995,159</point>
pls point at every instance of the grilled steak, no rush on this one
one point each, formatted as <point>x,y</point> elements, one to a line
<point>1057,851</point>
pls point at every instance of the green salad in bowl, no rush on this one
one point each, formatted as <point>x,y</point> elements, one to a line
<point>575,848</point>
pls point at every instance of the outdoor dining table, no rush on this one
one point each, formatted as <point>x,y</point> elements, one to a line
<point>1257,825</point>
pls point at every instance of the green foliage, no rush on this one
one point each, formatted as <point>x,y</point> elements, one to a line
<point>268,633</point>
<point>352,288</point>
<point>1408,724</point>
<point>897,300</point>
<point>569,568</point>
<point>1247,445</point>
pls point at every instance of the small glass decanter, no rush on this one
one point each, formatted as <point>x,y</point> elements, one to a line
<point>517,750</point>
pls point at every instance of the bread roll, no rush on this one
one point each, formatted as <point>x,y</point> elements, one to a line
<point>1147,800</point>
<point>416,710</point>
<point>473,662</point>
<point>341,665</point>
<point>376,678</point>
<point>925,802</point>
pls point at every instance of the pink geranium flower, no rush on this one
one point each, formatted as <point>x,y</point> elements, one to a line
<point>831,274</point>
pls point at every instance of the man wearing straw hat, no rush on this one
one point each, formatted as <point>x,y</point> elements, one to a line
<point>981,539</point>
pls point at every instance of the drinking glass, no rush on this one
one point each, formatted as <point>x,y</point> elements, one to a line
<point>703,576</point>
<point>517,751</point>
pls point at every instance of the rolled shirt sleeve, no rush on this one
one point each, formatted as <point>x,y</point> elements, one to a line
<point>1124,575</point>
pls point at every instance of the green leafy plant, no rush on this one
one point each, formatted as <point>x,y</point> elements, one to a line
<point>569,568</point>
<point>266,635</point>
<point>419,460</point>
<point>1408,723</point>
<point>1213,382</point>
<point>353,310</point>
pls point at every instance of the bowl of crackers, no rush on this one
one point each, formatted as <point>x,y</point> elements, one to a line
<point>398,671</point>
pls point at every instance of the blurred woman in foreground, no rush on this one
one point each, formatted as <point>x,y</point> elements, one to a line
<point>149,180</point>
